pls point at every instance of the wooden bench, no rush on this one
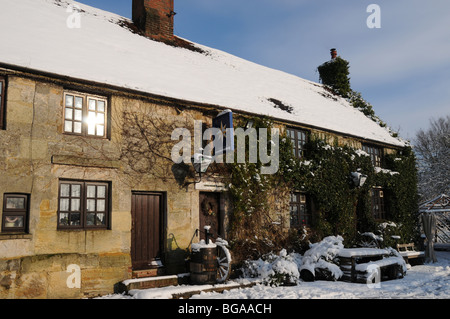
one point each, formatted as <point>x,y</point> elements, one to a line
<point>410,255</point>
<point>356,263</point>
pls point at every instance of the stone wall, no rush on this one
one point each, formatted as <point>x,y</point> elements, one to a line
<point>34,156</point>
<point>51,276</point>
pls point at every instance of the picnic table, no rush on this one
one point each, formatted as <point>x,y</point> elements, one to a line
<point>357,263</point>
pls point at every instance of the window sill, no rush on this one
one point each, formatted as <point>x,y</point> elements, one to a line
<point>12,236</point>
<point>81,229</point>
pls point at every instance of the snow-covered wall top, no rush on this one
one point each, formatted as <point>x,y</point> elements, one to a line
<point>34,34</point>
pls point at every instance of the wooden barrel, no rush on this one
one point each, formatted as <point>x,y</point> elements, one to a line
<point>203,266</point>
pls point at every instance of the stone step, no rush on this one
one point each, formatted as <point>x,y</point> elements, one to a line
<point>136,274</point>
<point>153,282</point>
<point>188,292</point>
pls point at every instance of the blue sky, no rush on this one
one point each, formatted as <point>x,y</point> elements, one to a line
<point>402,68</point>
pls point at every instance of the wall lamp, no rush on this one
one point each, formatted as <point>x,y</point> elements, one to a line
<point>358,178</point>
<point>201,163</point>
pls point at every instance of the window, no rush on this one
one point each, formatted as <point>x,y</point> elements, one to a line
<point>378,208</point>
<point>298,139</point>
<point>83,205</point>
<point>85,115</point>
<point>15,213</point>
<point>375,154</point>
<point>2,101</point>
<point>300,214</point>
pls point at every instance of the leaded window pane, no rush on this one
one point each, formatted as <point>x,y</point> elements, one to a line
<point>69,100</point>
<point>15,203</point>
<point>65,190</point>
<point>91,205</point>
<point>76,190</point>
<point>101,205</point>
<point>92,105</point>
<point>79,102</point>
<point>101,191</point>
<point>91,191</point>
<point>68,125</point>
<point>75,219</point>
<point>101,106</point>
<point>77,127</point>
<point>75,205</point>
<point>64,204</point>
<point>69,114</point>
<point>78,115</point>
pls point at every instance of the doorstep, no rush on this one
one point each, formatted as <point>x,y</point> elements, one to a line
<point>147,282</point>
<point>178,287</point>
<point>187,292</point>
<point>136,274</point>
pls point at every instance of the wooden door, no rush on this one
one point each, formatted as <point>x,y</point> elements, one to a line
<point>146,234</point>
<point>210,214</point>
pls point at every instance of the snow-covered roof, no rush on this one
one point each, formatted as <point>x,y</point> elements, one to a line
<point>34,34</point>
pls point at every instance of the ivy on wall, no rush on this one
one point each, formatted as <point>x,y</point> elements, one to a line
<point>402,197</point>
<point>344,209</point>
<point>324,174</point>
<point>254,226</point>
<point>340,208</point>
<point>247,184</point>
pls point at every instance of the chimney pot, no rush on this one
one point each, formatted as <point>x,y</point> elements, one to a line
<point>333,53</point>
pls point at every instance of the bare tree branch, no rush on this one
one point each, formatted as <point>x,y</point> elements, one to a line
<point>432,148</point>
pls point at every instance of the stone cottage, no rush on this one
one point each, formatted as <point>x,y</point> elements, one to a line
<point>83,189</point>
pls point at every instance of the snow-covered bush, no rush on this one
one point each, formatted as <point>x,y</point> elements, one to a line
<point>389,232</point>
<point>318,260</point>
<point>275,270</point>
<point>370,240</point>
<point>288,269</point>
<point>386,235</point>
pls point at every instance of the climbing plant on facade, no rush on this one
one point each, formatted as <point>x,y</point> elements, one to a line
<point>255,225</point>
<point>324,174</point>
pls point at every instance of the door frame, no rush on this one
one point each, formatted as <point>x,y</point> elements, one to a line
<point>162,222</point>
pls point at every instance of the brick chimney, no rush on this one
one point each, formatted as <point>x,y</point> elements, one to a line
<point>154,18</point>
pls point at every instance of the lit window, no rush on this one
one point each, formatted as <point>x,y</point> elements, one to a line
<point>85,115</point>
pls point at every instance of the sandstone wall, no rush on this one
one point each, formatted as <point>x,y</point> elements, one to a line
<point>34,156</point>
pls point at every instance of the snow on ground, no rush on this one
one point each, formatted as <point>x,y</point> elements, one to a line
<point>429,281</point>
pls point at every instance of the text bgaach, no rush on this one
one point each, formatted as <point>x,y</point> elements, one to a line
<point>226,309</point>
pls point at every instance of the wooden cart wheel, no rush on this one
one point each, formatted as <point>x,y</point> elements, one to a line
<point>223,261</point>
